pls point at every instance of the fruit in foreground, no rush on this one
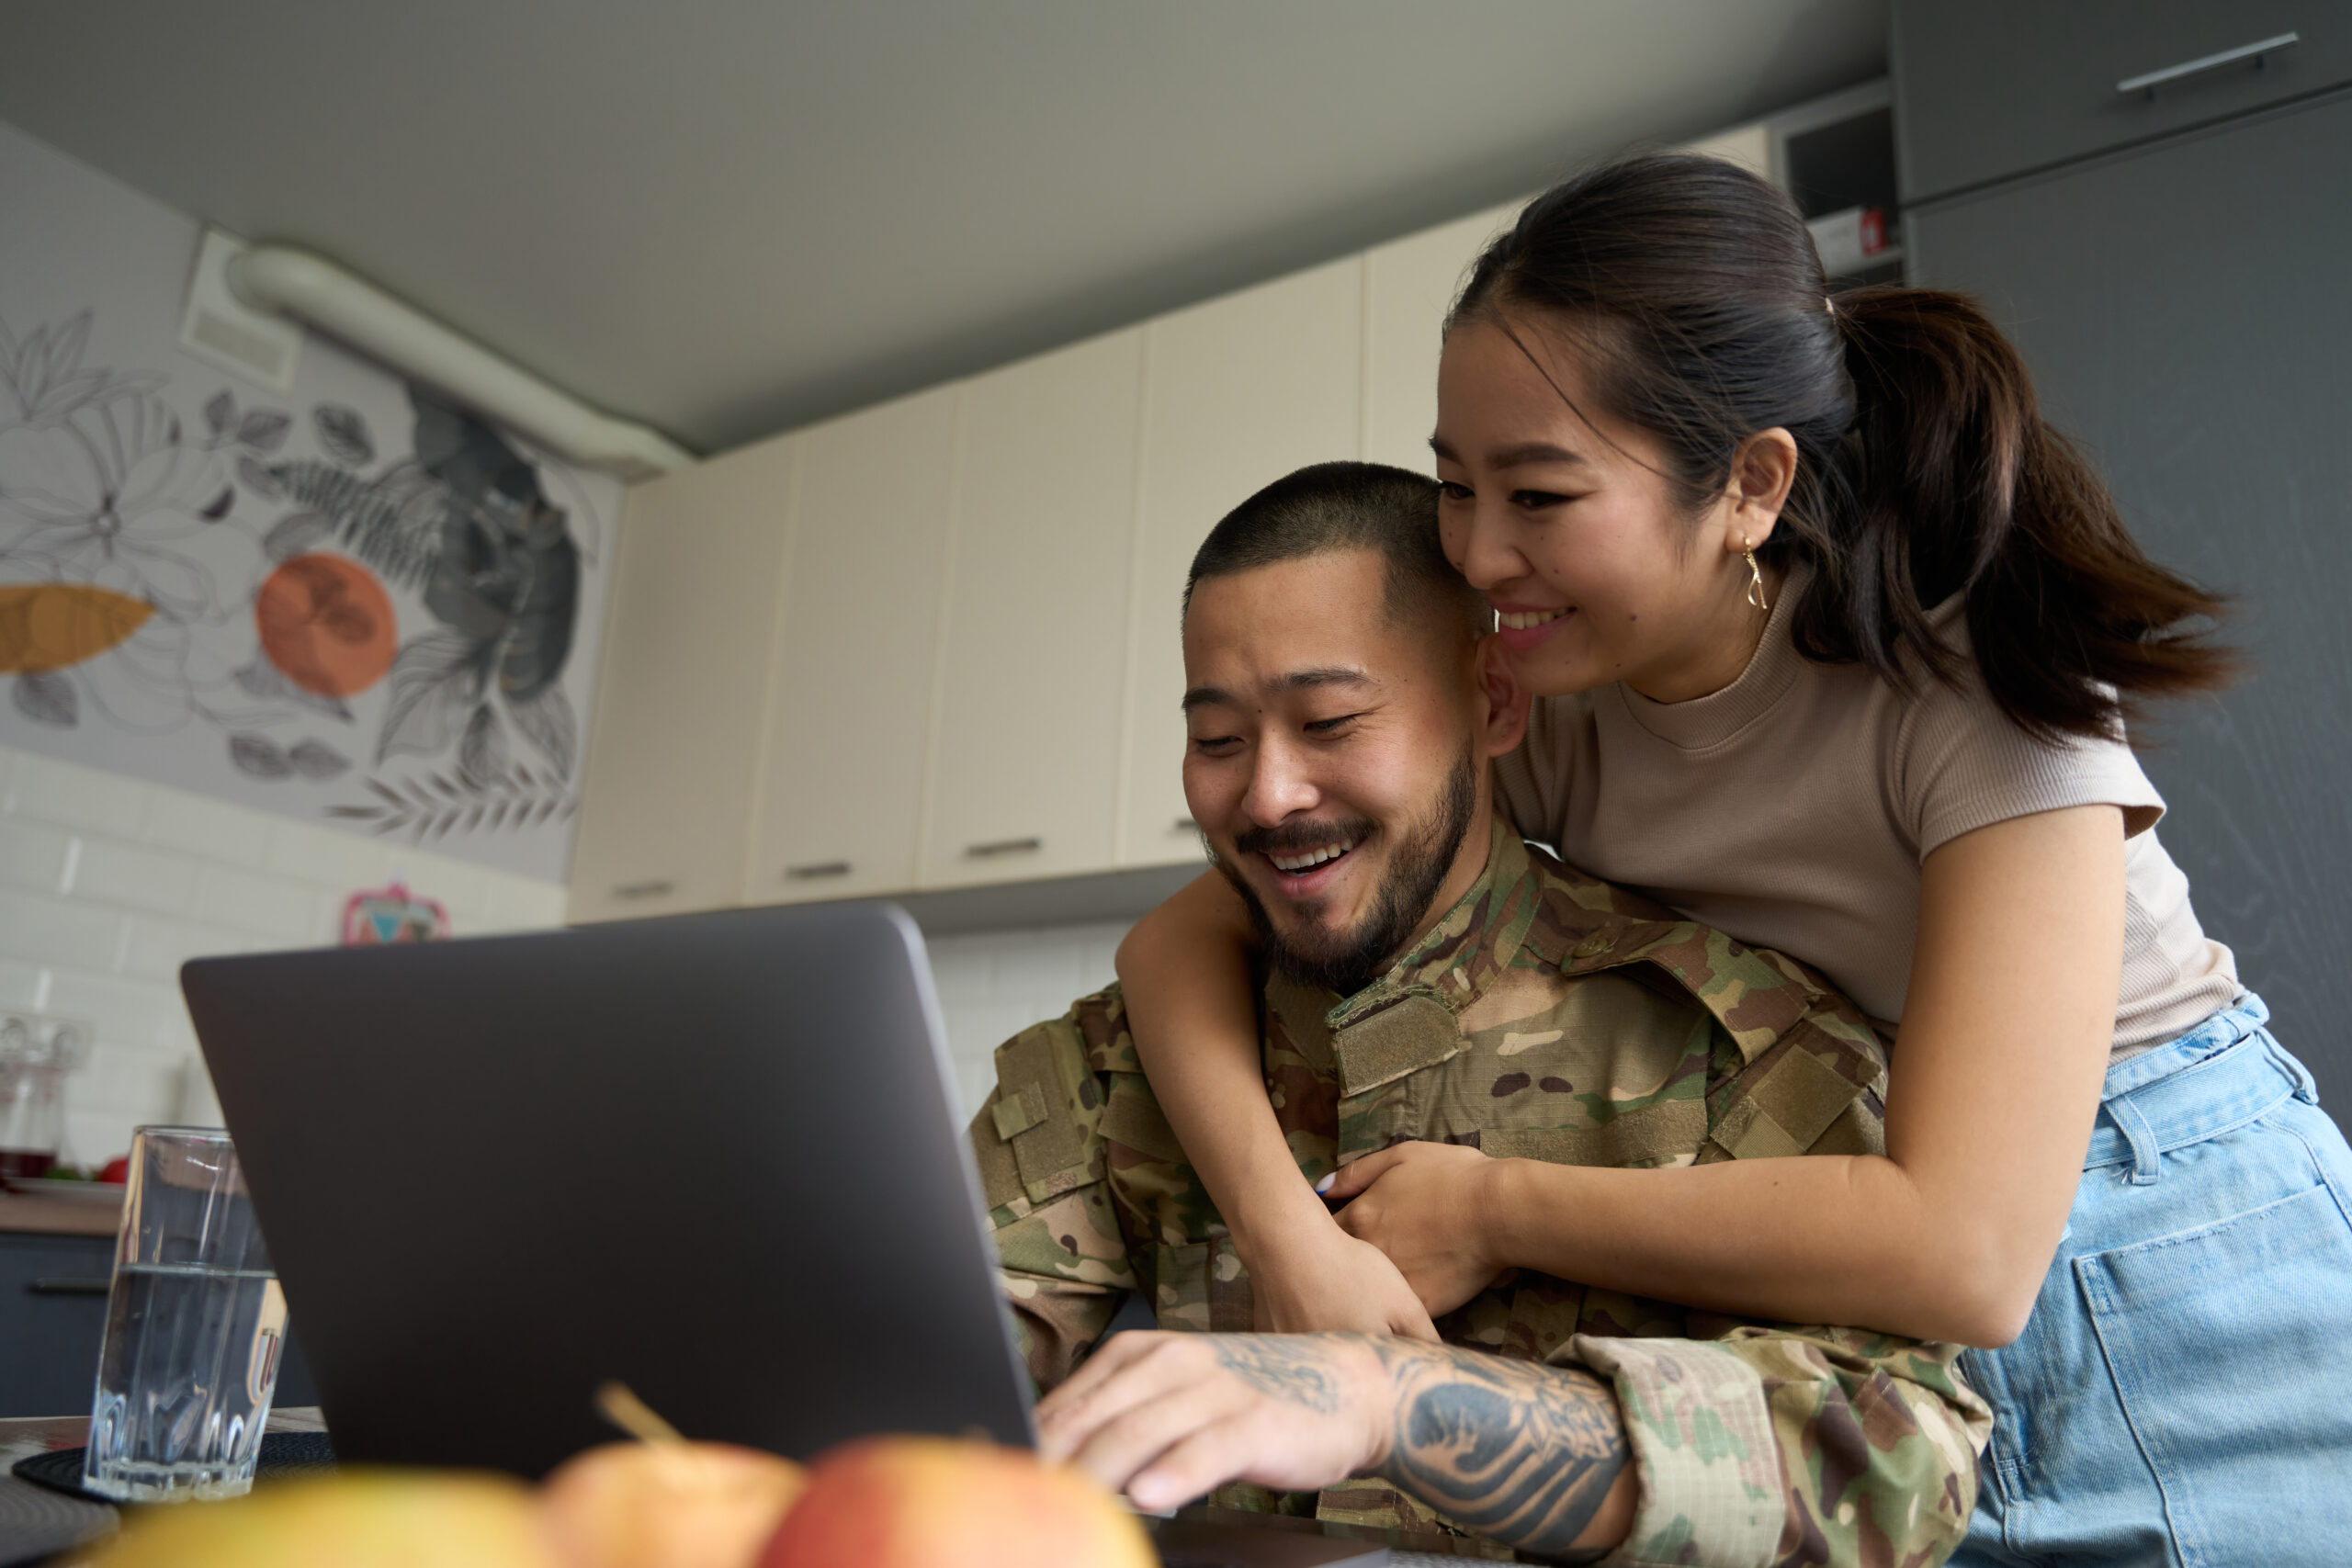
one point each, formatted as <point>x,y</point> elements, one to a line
<point>667,1504</point>
<point>913,1502</point>
<point>357,1519</point>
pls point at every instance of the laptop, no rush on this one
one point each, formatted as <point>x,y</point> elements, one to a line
<point>715,1156</point>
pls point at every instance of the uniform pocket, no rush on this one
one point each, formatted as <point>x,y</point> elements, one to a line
<point>2231,1346</point>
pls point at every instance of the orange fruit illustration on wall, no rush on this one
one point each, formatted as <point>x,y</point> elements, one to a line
<point>47,626</point>
<point>327,625</point>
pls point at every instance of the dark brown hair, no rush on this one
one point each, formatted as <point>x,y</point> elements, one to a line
<point>1697,303</point>
<point>1346,506</point>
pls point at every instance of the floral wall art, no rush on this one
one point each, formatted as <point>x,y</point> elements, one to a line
<point>354,603</point>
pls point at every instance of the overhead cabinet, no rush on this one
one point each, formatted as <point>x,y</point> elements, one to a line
<point>841,785</point>
<point>1237,393</point>
<point>682,688</point>
<point>1996,88</point>
<point>1025,766</point>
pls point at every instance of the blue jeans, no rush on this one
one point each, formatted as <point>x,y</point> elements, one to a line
<point>2183,1391</point>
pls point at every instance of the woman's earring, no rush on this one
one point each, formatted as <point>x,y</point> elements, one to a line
<point>1755,576</point>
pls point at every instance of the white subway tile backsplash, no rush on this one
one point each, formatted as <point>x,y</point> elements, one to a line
<point>108,872</point>
<point>33,856</point>
<point>155,950</point>
<point>146,1084</point>
<point>67,796</point>
<point>207,830</point>
<point>1038,968</point>
<point>134,1014</point>
<point>288,913</point>
<point>50,931</point>
<point>23,986</point>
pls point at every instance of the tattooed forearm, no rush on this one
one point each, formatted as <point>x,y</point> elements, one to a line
<point>1521,1452</point>
<point>1295,1367</point>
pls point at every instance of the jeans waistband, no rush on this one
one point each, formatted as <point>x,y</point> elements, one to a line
<point>2226,1072</point>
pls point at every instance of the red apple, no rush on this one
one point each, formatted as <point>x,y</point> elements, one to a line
<point>117,1170</point>
<point>667,1504</point>
<point>909,1502</point>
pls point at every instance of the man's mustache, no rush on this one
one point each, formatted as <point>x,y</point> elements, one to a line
<point>1293,838</point>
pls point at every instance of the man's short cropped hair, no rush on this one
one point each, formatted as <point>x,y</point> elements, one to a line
<point>1347,506</point>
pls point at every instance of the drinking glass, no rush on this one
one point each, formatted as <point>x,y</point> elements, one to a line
<point>195,1323</point>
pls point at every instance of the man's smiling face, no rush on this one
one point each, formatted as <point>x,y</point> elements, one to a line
<point>1336,758</point>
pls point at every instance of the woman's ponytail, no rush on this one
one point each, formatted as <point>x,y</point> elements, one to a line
<point>1925,467</point>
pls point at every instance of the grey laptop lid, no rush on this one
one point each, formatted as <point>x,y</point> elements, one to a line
<point>712,1155</point>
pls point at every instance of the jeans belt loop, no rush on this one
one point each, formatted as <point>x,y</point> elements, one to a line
<point>2306,1087</point>
<point>2147,1163</point>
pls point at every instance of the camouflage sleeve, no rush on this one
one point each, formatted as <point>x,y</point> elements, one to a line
<point>1785,1446</point>
<point>1038,1144</point>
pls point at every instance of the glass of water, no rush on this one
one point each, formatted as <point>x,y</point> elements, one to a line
<point>195,1321</point>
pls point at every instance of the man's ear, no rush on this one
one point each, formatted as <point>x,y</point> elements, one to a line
<point>1503,718</point>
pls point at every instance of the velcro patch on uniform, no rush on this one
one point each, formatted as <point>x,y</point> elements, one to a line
<point>1000,1175</point>
<point>1788,1109</point>
<point>1017,1114</point>
<point>1655,1134</point>
<point>1132,1116</point>
<point>1415,1032</point>
<point>1054,1144</point>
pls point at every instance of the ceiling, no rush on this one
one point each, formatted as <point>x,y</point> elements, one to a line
<point>729,217</point>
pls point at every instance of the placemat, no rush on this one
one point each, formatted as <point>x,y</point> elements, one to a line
<point>285,1456</point>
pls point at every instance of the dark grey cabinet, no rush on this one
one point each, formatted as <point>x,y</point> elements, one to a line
<point>2187,310</point>
<point>1988,89</point>
<point>52,1315</point>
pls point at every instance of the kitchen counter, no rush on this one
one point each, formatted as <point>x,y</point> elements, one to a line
<point>35,1521</point>
<point>58,1216</point>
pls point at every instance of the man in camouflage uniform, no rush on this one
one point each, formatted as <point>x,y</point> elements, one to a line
<point>1539,1014</point>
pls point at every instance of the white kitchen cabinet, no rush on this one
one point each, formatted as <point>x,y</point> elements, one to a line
<point>838,792</point>
<point>1409,285</point>
<point>665,801</point>
<point>1237,393</point>
<point>1032,655</point>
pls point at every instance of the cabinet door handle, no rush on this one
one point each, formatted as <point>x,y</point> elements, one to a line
<point>815,869</point>
<point>55,1285</point>
<point>1005,846</point>
<point>653,889</point>
<point>1185,825</point>
<point>2204,62</point>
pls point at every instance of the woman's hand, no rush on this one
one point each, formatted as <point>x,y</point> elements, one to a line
<point>1425,1206</point>
<point>1166,1417</point>
<point>1322,1280</point>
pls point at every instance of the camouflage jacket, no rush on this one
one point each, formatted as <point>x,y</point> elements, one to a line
<point>1547,1016</point>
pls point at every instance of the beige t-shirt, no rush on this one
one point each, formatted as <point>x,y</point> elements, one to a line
<point>1793,808</point>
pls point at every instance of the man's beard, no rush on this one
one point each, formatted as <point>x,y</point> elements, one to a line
<point>1348,961</point>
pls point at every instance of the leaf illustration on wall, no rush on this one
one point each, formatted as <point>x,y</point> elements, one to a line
<point>546,722</point>
<point>317,761</point>
<point>47,699</point>
<point>258,477</point>
<point>429,684</point>
<point>48,626</point>
<point>263,681</point>
<point>295,533</point>
<point>343,434</point>
<point>258,757</point>
<point>263,430</point>
<point>481,755</point>
<point>219,410</point>
<point>393,522</point>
